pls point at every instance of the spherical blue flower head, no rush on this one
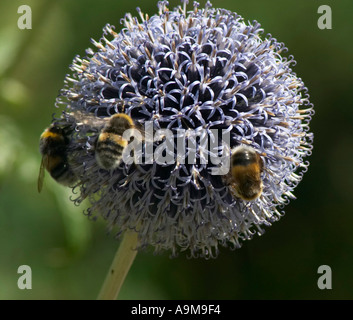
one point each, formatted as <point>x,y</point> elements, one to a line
<point>201,70</point>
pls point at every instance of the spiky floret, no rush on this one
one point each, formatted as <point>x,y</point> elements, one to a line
<point>199,70</point>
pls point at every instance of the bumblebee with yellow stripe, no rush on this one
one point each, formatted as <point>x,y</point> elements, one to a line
<point>110,143</point>
<point>53,147</point>
<point>244,178</point>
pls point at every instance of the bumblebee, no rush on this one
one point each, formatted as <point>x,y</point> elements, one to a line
<point>53,146</point>
<point>110,143</point>
<point>244,179</point>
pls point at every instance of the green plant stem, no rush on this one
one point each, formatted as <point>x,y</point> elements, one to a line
<point>120,267</point>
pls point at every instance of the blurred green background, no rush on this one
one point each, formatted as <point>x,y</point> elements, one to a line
<point>69,255</point>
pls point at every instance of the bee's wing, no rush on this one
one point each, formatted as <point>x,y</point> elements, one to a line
<point>41,173</point>
<point>85,119</point>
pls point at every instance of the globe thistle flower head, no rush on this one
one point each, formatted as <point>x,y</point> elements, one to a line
<point>187,76</point>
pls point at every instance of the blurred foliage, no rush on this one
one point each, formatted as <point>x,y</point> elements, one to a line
<point>69,255</point>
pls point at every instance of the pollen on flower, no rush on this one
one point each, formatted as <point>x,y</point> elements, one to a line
<point>191,76</point>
